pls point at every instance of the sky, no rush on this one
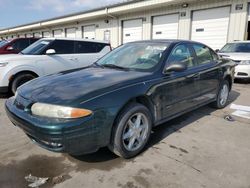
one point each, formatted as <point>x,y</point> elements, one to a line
<point>17,12</point>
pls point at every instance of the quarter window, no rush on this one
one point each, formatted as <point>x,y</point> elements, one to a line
<point>181,54</point>
<point>89,47</point>
<point>203,54</point>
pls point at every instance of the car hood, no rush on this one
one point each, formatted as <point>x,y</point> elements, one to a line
<point>15,57</point>
<point>236,56</point>
<point>78,85</point>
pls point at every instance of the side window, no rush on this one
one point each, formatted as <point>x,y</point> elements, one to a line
<point>182,54</point>
<point>203,54</point>
<point>88,47</point>
<point>20,44</point>
<point>62,46</point>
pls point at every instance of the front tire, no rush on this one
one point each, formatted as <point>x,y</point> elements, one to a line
<point>20,80</point>
<point>131,131</point>
<point>222,97</point>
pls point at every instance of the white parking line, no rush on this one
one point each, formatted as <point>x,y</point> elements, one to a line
<point>242,114</point>
<point>241,111</point>
<point>240,107</point>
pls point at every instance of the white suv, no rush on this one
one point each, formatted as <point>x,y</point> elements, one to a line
<point>239,52</point>
<point>48,56</point>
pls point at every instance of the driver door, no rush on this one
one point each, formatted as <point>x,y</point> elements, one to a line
<point>178,90</point>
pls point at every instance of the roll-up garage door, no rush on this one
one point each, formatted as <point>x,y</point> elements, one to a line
<point>211,26</point>
<point>165,27</point>
<point>71,32</point>
<point>132,30</point>
<point>57,33</point>
<point>46,34</point>
<point>28,35</point>
<point>37,34</point>
<point>22,36</point>
<point>89,32</point>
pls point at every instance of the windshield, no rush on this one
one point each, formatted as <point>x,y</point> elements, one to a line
<point>236,47</point>
<point>3,42</point>
<point>37,47</point>
<point>140,56</point>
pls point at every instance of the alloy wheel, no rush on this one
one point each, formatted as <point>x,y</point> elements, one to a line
<point>135,132</point>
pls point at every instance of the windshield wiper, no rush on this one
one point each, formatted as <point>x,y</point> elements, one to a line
<point>115,67</point>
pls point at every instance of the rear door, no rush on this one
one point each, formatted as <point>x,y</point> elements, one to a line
<point>207,65</point>
<point>87,53</point>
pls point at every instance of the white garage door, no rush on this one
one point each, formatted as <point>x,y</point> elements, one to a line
<point>89,32</point>
<point>132,30</point>
<point>165,27</point>
<point>46,34</point>
<point>71,32</point>
<point>22,36</point>
<point>211,26</point>
<point>37,35</point>
<point>28,35</point>
<point>57,33</point>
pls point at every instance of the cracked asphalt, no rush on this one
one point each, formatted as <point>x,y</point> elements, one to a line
<point>198,149</point>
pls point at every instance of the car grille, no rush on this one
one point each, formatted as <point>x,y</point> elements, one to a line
<point>22,103</point>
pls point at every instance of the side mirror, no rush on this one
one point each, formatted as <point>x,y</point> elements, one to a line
<point>217,50</point>
<point>10,48</point>
<point>175,67</point>
<point>50,52</point>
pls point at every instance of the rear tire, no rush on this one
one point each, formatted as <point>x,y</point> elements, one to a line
<point>132,130</point>
<point>20,80</point>
<point>222,97</point>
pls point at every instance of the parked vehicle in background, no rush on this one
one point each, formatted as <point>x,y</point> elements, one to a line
<point>14,46</point>
<point>239,52</point>
<point>48,56</point>
<point>116,101</point>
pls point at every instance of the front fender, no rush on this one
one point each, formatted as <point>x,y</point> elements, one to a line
<point>11,71</point>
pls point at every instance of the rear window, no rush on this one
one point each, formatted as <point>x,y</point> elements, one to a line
<point>3,42</point>
<point>88,47</point>
<point>20,44</point>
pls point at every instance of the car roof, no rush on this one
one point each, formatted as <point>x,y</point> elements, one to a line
<point>166,40</point>
<point>76,39</point>
<point>242,41</point>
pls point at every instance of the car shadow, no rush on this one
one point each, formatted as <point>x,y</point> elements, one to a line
<point>159,133</point>
<point>5,95</point>
<point>242,81</point>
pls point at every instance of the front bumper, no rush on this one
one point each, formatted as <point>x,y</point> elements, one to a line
<point>242,71</point>
<point>74,137</point>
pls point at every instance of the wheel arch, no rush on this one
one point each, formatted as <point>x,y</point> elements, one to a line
<point>230,81</point>
<point>19,73</point>
<point>141,99</point>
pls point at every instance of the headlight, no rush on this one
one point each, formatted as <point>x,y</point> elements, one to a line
<point>245,62</point>
<point>56,111</point>
<point>3,64</point>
